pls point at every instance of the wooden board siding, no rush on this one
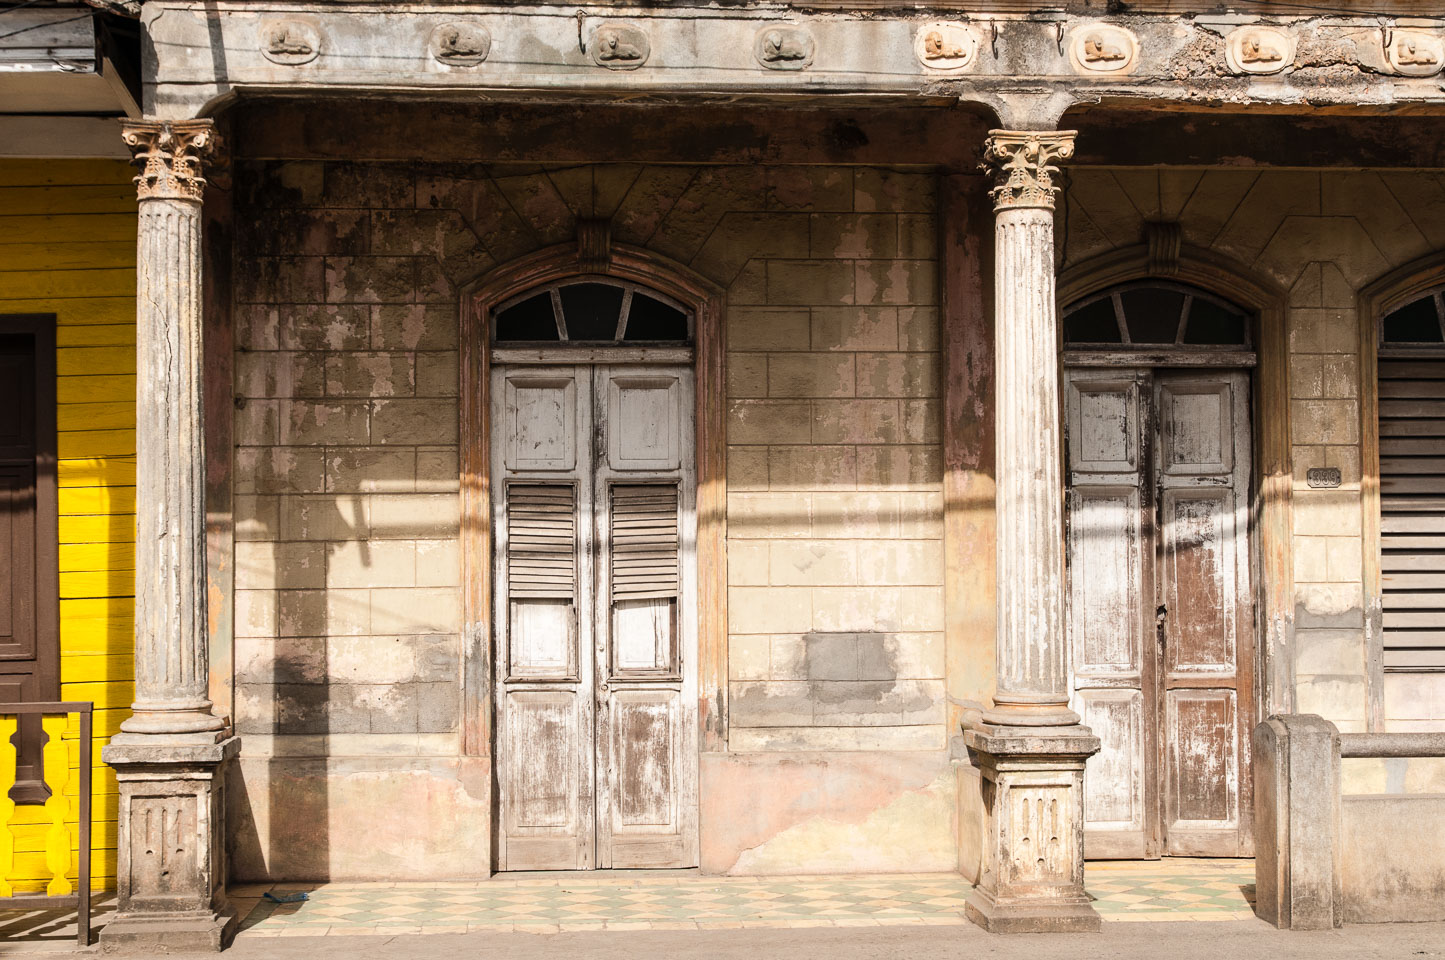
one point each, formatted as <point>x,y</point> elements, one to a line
<point>67,247</point>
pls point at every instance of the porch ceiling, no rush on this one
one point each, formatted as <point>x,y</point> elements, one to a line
<point>914,135</point>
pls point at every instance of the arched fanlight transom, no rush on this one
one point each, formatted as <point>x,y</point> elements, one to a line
<point>593,311</point>
<point>1419,324</point>
<point>1155,315</point>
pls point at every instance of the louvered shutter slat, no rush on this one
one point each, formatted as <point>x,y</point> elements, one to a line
<point>644,542</point>
<point>1412,507</point>
<point>541,541</point>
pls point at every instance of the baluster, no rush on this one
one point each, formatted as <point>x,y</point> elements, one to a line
<point>57,775</point>
<point>7,806</point>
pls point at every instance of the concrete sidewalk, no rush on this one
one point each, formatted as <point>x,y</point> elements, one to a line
<point>1231,940</point>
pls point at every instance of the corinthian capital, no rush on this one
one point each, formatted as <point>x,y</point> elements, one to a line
<point>170,155</point>
<point>1022,163</point>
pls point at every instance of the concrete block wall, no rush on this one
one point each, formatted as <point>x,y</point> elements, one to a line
<point>1321,235</point>
<point>347,658</point>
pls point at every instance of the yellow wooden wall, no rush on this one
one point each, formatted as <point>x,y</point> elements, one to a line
<point>67,247</point>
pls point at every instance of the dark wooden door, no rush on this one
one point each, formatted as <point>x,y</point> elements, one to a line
<point>29,605</point>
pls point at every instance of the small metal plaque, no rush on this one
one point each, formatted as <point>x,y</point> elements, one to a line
<point>1323,477</point>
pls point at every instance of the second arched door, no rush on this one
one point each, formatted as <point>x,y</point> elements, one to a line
<point>1159,608</point>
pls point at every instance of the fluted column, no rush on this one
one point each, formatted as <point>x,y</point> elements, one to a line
<point>171,663</point>
<point>1032,674</point>
<point>1025,784</point>
<point>170,755</point>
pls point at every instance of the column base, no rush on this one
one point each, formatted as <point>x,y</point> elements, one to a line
<point>1031,800</point>
<point>170,857</point>
<point>208,932</point>
<point>1053,916</point>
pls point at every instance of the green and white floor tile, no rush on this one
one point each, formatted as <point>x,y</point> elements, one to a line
<point>1171,890</point>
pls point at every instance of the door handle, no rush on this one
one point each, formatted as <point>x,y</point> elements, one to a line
<point>1161,615</point>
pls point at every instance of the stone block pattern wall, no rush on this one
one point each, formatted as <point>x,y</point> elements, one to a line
<point>835,553</point>
<point>1322,236</point>
<point>347,613</point>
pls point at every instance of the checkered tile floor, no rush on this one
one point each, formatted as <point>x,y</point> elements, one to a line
<point>534,903</point>
<point>1174,889</point>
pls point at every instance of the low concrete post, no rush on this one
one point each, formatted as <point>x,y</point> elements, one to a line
<point>1297,866</point>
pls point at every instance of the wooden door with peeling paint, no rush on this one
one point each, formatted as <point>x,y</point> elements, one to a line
<point>1160,611</point>
<point>595,616</point>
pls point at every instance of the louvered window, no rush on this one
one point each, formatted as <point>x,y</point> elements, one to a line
<point>644,542</point>
<point>541,541</point>
<point>1412,485</point>
<point>644,577</point>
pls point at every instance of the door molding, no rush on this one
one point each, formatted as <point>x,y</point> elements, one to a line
<point>478,299</point>
<point>1271,514</point>
<point>1376,299</point>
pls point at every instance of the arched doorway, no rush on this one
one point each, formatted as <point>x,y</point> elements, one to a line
<point>592,552</point>
<point>1158,448</point>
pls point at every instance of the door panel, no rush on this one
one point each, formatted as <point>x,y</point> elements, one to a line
<point>1197,580</point>
<point>1202,771</point>
<point>17,563</point>
<point>1160,616</point>
<point>1207,622</point>
<point>596,765</point>
<point>29,572</point>
<point>1115,804</point>
<point>1108,620</point>
<point>647,767</point>
<point>543,559</point>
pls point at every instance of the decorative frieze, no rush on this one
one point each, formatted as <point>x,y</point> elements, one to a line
<point>619,46</point>
<point>1022,163</point>
<point>1259,50</point>
<point>460,43</point>
<point>1103,49</point>
<point>945,46</point>
<point>1414,54</point>
<point>784,47</point>
<point>289,42</point>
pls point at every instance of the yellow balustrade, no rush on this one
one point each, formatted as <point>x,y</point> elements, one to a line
<point>57,775</point>
<point>8,726</point>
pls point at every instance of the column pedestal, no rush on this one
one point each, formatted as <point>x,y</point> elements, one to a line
<point>170,869</point>
<point>1032,874</point>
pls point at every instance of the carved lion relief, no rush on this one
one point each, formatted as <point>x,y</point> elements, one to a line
<point>289,42</point>
<point>1415,54</point>
<point>619,46</point>
<point>1102,48</point>
<point>1258,50</point>
<point>945,46</point>
<point>783,47</point>
<point>460,43</point>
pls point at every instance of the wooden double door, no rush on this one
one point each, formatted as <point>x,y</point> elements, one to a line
<point>595,614</point>
<point>1160,613</point>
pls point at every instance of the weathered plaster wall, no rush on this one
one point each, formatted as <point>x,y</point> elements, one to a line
<point>347,654</point>
<point>1322,236</point>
